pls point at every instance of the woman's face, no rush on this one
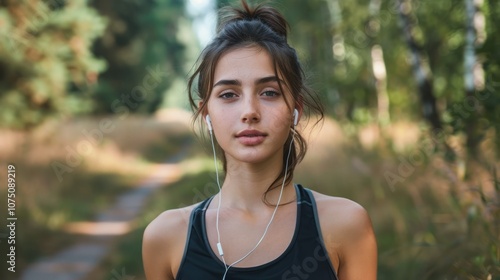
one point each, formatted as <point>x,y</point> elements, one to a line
<point>250,118</point>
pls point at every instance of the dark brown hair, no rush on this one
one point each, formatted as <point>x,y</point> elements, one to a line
<point>262,26</point>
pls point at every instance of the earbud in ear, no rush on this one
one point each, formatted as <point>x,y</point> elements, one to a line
<point>295,117</point>
<point>209,123</point>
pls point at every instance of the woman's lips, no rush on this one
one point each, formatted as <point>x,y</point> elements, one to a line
<point>251,137</point>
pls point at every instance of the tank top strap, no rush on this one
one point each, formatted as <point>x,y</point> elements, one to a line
<point>195,239</point>
<point>308,199</point>
<point>310,230</point>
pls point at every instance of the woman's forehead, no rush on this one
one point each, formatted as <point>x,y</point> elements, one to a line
<point>244,62</point>
<point>249,62</point>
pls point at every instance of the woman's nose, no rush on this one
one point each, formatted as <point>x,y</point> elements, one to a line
<point>250,110</point>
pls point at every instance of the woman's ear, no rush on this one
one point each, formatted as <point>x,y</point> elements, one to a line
<point>204,111</point>
<point>205,116</point>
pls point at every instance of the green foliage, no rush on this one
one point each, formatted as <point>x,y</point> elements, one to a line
<point>45,59</point>
<point>143,52</point>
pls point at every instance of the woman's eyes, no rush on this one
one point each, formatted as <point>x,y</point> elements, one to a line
<point>227,95</point>
<point>266,93</point>
<point>270,93</point>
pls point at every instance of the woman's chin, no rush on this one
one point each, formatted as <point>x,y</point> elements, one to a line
<point>251,156</point>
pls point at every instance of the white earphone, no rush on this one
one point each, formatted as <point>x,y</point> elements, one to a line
<point>209,123</point>
<point>295,117</point>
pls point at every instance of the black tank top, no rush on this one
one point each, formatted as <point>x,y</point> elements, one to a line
<point>305,257</point>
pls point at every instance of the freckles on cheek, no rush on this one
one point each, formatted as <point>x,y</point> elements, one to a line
<point>280,123</point>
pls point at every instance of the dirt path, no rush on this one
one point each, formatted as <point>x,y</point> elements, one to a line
<point>81,259</point>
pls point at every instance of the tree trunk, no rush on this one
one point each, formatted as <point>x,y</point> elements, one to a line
<point>380,74</point>
<point>378,64</point>
<point>338,46</point>
<point>473,71</point>
<point>421,70</point>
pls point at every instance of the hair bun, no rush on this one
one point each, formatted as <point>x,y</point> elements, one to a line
<point>265,14</point>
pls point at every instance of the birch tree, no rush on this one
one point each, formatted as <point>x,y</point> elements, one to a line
<point>378,64</point>
<point>473,70</point>
<point>420,68</point>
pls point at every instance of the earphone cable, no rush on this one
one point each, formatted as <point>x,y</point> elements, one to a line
<point>219,246</point>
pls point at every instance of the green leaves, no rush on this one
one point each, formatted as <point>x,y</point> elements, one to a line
<point>44,52</point>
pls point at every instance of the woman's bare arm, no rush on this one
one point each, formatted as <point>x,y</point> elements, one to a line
<point>358,249</point>
<point>163,244</point>
<point>349,238</point>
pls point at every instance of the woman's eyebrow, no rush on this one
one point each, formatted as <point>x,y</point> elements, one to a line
<point>227,83</point>
<point>235,82</point>
<point>268,79</point>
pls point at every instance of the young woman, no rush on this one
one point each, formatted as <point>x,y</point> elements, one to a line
<point>250,94</point>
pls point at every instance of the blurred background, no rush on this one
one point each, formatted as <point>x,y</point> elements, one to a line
<point>94,117</point>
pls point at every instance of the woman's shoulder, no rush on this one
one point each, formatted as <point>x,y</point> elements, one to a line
<point>348,236</point>
<point>342,218</point>
<point>167,224</point>
<point>163,242</point>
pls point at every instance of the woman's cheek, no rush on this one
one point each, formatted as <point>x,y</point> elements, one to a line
<point>282,123</point>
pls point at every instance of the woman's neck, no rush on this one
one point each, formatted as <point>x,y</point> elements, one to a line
<point>245,185</point>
